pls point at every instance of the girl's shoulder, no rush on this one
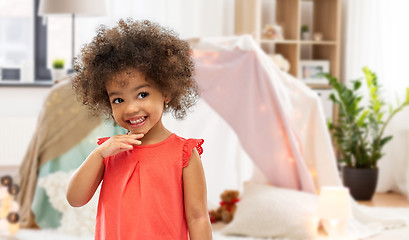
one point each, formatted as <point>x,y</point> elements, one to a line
<point>183,139</point>
<point>190,143</point>
<point>188,146</point>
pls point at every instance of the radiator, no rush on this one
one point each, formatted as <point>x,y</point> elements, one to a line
<point>15,136</point>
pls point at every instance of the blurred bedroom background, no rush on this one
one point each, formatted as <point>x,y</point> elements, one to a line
<point>371,34</point>
<point>342,37</point>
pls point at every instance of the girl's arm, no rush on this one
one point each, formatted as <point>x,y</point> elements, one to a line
<point>85,181</point>
<point>195,198</point>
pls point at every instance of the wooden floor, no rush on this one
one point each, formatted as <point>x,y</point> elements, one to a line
<point>387,200</point>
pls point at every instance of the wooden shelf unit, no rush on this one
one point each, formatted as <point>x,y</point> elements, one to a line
<point>325,18</point>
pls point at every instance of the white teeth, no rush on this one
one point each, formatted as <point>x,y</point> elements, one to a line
<point>138,121</point>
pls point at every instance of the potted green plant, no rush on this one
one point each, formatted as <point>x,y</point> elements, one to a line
<point>58,71</point>
<point>358,132</point>
<point>305,32</point>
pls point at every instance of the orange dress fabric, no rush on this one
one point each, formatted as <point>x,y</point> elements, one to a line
<point>142,192</point>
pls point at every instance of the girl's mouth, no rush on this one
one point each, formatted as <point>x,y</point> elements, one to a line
<point>137,122</point>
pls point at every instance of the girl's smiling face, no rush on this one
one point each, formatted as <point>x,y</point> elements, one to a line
<point>136,104</point>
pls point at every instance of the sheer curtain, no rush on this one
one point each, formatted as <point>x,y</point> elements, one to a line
<point>189,18</point>
<point>376,35</point>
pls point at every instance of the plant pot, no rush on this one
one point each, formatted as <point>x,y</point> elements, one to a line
<point>57,74</point>
<point>305,36</point>
<point>360,181</point>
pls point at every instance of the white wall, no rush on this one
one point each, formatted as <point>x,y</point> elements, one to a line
<point>18,117</point>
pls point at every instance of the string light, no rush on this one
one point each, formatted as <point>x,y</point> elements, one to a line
<point>9,217</point>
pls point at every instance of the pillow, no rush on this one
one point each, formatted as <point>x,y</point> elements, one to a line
<point>266,211</point>
<point>75,221</point>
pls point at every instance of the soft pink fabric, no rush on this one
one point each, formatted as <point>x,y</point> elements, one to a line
<point>249,103</point>
<point>142,192</point>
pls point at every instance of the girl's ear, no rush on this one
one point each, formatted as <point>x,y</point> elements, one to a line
<point>167,100</point>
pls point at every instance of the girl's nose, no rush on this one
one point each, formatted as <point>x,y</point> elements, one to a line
<point>132,108</point>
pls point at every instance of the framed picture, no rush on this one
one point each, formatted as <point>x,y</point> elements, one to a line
<point>309,71</point>
<point>326,103</point>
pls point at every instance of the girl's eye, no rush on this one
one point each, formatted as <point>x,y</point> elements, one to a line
<point>143,95</point>
<point>117,100</point>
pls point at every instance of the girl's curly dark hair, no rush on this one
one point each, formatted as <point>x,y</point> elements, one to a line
<point>147,47</point>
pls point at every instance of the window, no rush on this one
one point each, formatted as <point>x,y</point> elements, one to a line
<point>41,72</point>
<point>16,38</point>
<point>29,43</point>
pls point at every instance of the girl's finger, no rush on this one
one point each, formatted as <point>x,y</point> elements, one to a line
<point>138,135</point>
<point>136,142</point>
<point>132,141</point>
<point>126,146</point>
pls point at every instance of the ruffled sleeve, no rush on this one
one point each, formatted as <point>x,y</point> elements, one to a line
<point>188,148</point>
<point>102,140</point>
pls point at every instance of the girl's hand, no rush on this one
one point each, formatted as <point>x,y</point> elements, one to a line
<point>119,143</point>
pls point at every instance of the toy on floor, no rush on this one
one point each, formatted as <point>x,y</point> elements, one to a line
<point>227,207</point>
<point>8,206</point>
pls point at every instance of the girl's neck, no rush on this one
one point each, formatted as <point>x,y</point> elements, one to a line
<point>155,135</point>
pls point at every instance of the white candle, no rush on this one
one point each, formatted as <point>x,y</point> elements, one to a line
<point>334,209</point>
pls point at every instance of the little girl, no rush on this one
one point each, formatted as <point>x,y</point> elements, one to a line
<point>153,184</point>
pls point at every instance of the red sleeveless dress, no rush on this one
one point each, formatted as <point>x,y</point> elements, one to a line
<point>142,192</point>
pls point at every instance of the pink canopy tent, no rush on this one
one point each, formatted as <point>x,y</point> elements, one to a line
<point>246,99</point>
<point>274,116</point>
